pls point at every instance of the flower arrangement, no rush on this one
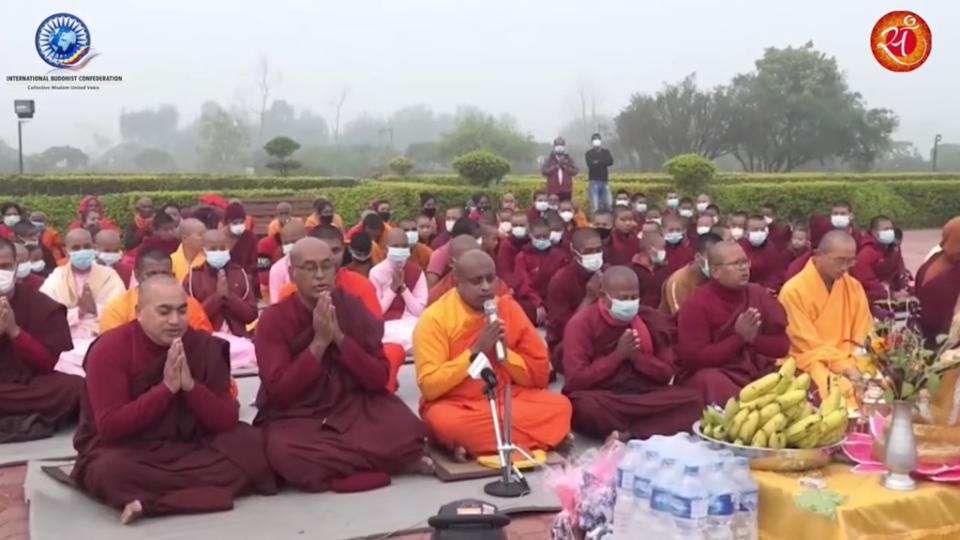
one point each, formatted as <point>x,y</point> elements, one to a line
<point>908,368</point>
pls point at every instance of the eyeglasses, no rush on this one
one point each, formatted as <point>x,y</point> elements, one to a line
<point>313,268</point>
<point>739,264</point>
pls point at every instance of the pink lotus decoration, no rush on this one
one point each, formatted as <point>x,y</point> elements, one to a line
<point>859,448</point>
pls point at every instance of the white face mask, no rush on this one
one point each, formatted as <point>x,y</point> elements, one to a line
<point>736,232</point>
<point>658,221</point>
<point>541,206</point>
<point>591,262</point>
<point>555,237</point>
<point>702,207</point>
<point>757,238</point>
<point>413,237</point>
<point>686,213</point>
<point>623,202</point>
<point>597,143</point>
<point>768,219</point>
<point>840,221</point>
<point>109,258</point>
<point>641,207</point>
<point>703,230</point>
<point>23,270</point>
<point>287,248</point>
<point>566,216</point>
<point>519,232</point>
<point>559,149</point>
<point>8,278</point>
<point>237,229</point>
<point>673,202</point>
<point>449,225</point>
<point>38,266</point>
<point>11,219</point>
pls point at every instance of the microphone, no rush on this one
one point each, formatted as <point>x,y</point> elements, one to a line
<point>480,369</point>
<point>490,308</point>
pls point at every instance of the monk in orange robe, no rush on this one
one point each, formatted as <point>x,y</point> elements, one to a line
<point>329,421</point>
<point>159,432</point>
<point>122,309</point>
<point>828,315</point>
<point>451,334</point>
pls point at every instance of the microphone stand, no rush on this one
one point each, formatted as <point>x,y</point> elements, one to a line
<point>511,483</point>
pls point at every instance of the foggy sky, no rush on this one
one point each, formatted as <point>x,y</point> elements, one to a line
<point>527,58</point>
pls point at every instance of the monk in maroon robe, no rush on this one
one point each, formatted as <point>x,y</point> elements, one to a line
<point>623,239</point>
<point>242,242</point>
<point>799,245</point>
<point>35,401</point>
<point>224,288</point>
<point>767,266</point>
<point>536,263</point>
<point>540,206</point>
<point>938,285</point>
<point>573,287</point>
<point>511,245</point>
<point>730,331</point>
<point>879,267</point>
<point>819,226</point>
<point>159,432</point>
<point>780,233</point>
<point>163,235</point>
<point>650,265</point>
<point>679,249</point>
<point>618,364</point>
<point>329,420</point>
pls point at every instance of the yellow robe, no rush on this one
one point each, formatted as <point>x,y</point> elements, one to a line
<point>826,327</point>
<point>181,267</point>
<point>123,310</point>
<point>454,407</point>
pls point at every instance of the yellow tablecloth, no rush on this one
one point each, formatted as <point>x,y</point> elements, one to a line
<point>869,512</point>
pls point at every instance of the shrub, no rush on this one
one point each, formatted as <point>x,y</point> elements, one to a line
<point>481,167</point>
<point>102,184</point>
<point>690,172</point>
<point>401,165</point>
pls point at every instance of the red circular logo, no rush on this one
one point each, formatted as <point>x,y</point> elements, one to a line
<point>901,41</point>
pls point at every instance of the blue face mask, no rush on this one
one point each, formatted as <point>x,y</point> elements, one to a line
<point>82,259</point>
<point>541,244</point>
<point>398,255</point>
<point>673,237</point>
<point>624,310</point>
<point>887,237</point>
<point>39,225</point>
<point>218,258</point>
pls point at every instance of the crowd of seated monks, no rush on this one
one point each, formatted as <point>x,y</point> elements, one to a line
<point>647,313</point>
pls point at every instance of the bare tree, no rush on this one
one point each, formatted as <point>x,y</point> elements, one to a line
<point>265,82</point>
<point>338,106</point>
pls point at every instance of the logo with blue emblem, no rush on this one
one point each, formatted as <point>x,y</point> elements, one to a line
<point>63,41</point>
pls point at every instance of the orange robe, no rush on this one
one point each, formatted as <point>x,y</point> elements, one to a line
<point>313,221</point>
<point>420,255</point>
<point>274,227</point>
<point>361,287</point>
<point>181,266</point>
<point>454,407</point>
<point>825,327</point>
<point>123,310</point>
<point>54,243</point>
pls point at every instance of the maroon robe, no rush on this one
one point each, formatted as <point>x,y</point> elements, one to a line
<point>269,251</point>
<point>244,254</point>
<point>125,271</point>
<point>32,281</point>
<point>532,274</point>
<point>237,309</point>
<point>507,251</point>
<point>633,396</point>
<point>790,255</point>
<point>679,255</point>
<point>175,453</point>
<point>780,234</point>
<point>167,245</point>
<point>767,265</point>
<point>797,265</point>
<point>35,400</point>
<point>532,214</point>
<point>330,418</point>
<point>565,294</point>
<point>938,298</point>
<point>880,269</point>
<point>411,275</point>
<point>714,359</point>
<point>651,282</point>
<point>622,248</point>
<point>441,239</point>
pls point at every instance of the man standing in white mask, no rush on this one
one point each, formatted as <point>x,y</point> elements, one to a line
<point>559,170</point>
<point>599,160</point>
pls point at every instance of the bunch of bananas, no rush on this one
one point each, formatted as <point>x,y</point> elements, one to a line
<point>773,412</point>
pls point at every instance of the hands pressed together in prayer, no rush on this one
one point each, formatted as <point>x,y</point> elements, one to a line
<point>8,321</point>
<point>223,287</point>
<point>326,327</point>
<point>748,324</point>
<point>396,284</point>
<point>488,337</point>
<point>628,345</point>
<point>176,370</point>
<point>86,305</point>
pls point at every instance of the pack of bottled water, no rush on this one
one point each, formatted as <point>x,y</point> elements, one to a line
<point>677,488</point>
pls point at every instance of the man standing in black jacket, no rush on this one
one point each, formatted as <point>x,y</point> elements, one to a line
<point>599,161</point>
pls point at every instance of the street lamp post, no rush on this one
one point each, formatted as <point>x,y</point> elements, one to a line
<point>936,143</point>
<point>24,109</point>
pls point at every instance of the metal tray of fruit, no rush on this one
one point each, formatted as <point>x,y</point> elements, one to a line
<point>770,459</point>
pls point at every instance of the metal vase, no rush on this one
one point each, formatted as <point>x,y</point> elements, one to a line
<point>901,449</point>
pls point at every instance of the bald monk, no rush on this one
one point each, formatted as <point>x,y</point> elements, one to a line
<point>451,334</point>
<point>190,253</point>
<point>679,249</point>
<point>420,252</point>
<point>730,331</point>
<point>623,239</point>
<point>511,245</point>
<point>35,401</point>
<point>109,253</point>
<point>829,315</point>
<point>123,309</point>
<point>618,363</point>
<point>650,265</point>
<point>329,421</point>
<point>279,274</point>
<point>439,265</point>
<point>225,289</point>
<point>24,275</point>
<point>535,265</point>
<point>457,248</point>
<point>681,284</point>
<point>159,432</point>
<point>401,289</point>
<point>767,259</point>
<point>573,287</point>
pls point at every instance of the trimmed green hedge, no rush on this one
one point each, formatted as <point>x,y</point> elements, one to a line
<point>109,184</point>
<point>911,203</point>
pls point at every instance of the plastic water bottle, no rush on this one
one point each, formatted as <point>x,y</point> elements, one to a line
<point>691,502</point>
<point>724,502</point>
<point>623,506</point>
<point>661,500</point>
<point>745,525</point>
<point>643,475</point>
